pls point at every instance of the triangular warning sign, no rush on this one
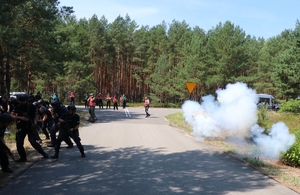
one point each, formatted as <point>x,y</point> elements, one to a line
<point>190,86</point>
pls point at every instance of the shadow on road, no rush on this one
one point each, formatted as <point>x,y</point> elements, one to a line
<point>138,170</point>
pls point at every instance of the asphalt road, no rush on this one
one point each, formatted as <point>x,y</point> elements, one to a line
<point>130,154</point>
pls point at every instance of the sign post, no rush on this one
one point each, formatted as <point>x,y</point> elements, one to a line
<point>190,87</point>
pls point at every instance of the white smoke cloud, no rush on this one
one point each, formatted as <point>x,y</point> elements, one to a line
<point>278,139</point>
<point>235,115</point>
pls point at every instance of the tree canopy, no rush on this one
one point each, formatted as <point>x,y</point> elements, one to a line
<point>44,47</point>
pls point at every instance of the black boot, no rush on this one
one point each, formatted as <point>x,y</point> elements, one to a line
<point>21,160</point>
<point>45,155</point>
<point>55,156</point>
<point>7,170</point>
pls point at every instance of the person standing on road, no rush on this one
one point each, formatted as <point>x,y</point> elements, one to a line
<point>54,97</point>
<point>5,120</point>
<point>147,105</point>
<point>115,100</point>
<point>100,100</point>
<point>5,107</point>
<point>58,112</point>
<point>124,101</point>
<point>26,118</point>
<point>108,99</point>
<point>47,120</point>
<point>4,104</point>
<point>72,121</point>
<point>72,98</point>
<point>85,98</point>
<point>38,96</point>
<point>92,105</point>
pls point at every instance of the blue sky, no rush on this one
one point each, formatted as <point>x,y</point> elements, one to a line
<point>259,18</point>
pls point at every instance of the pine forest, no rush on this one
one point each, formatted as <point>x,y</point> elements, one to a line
<point>44,47</point>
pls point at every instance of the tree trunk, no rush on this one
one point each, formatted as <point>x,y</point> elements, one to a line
<point>7,76</point>
<point>2,86</point>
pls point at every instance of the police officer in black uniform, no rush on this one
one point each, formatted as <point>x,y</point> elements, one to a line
<point>72,122</point>
<point>5,120</point>
<point>46,119</point>
<point>26,117</point>
<point>59,113</point>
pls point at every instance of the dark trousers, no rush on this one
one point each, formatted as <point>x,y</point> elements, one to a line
<point>124,104</point>
<point>53,131</point>
<point>20,136</point>
<point>72,101</point>
<point>115,105</point>
<point>3,158</point>
<point>100,103</point>
<point>146,110</point>
<point>47,125</point>
<point>108,104</point>
<point>64,134</point>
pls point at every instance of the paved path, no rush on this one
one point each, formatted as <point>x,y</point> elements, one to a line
<point>130,154</point>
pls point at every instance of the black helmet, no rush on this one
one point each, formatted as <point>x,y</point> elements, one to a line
<point>42,109</point>
<point>23,97</point>
<point>5,117</point>
<point>55,104</point>
<point>72,107</point>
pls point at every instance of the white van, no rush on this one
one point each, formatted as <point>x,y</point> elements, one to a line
<point>16,94</point>
<point>267,99</point>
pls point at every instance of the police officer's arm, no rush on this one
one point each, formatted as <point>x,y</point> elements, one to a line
<point>63,116</point>
<point>77,118</point>
<point>45,117</point>
<point>14,115</point>
<point>61,120</point>
<point>76,127</point>
<point>36,118</point>
<point>8,108</point>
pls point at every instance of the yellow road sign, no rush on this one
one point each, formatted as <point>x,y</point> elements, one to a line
<point>190,86</point>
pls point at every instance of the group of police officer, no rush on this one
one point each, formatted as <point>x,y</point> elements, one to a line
<point>54,118</point>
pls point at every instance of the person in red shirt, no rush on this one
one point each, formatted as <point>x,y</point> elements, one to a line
<point>100,100</point>
<point>115,100</point>
<point>92,104</point>
<point>147,105</point>
<point>108,99</point>
<point>72,98</point>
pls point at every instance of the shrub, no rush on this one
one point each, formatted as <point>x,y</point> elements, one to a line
<point>291,106</point>
<point>292,156</point>
<point>263,118</point>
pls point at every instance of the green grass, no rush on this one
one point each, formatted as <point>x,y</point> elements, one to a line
<point>254,162</point>
<point>290,119</point>
<point>178,121</point>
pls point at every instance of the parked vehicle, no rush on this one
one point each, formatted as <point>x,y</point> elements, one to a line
<point>16,94</point>
<point>269,100</point>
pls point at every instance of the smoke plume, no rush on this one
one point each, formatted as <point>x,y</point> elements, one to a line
<point>234,114</point>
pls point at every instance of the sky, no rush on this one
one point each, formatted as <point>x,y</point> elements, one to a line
<point>258,18</point>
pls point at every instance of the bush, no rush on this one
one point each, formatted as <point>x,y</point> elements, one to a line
<point>292,156</point>
<point>263,118</point>
<point>291,106</point>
